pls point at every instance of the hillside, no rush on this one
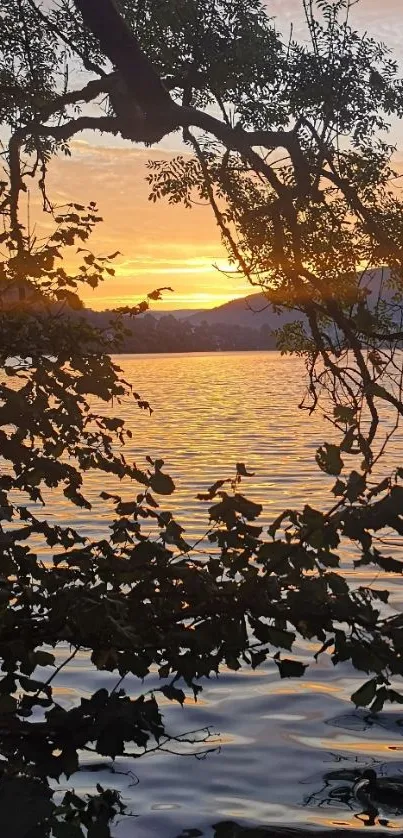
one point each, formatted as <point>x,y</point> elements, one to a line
<point>254,311</point>
<point>243,324</point>
<point>251,312</point>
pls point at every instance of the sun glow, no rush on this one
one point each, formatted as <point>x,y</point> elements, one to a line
<point>159,246</point>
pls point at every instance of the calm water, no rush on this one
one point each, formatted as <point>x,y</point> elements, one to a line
<point>286,747</point>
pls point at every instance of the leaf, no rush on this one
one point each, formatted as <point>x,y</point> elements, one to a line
<point>162,483</point>
<point>72,299</point>
<point>212,491</point>
<point>274,636</point>
<point>343,413</point>
<point>288,513</point>
<point>157,294</point>
<point>382,595</point>
<point>257,658</point>
<point>329,559</point>
<point>31,685</point>
<point>66,830</point>
<point>380,698</point>
<point>280,637</point>
<point>356,486</point>
<point>232,661</point>
<point>44,658</point>
<point>107,496</point>
<point>290,668</point>
<point>389,564</point>
<point>69,762</point>
<point>8,704</point>
<point>365,694</point>
<point>241,470</point>
<point>248,508</point>
<point>337,584</point>
<point>328,459</point>
<point>394,696</point>
<point>173,693</point>
<point>339,488</point>
<point>113,423</point>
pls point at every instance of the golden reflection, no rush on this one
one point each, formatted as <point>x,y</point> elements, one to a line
<point>189,701</point>
<point>313,686</point>
<point>331,823</point>
<point>355,745</point>
<point>307,686</point>
<point>70,692</point>
<point>368,747</point>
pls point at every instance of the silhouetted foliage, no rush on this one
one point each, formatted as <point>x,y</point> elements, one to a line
<point>167,333</point>
<point>301,229</point>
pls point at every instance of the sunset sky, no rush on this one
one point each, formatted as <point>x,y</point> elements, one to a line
<point>163,245</point>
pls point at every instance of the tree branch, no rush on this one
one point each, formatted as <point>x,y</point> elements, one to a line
<point>82,123</point>
<point>84,94</point>
<point>88,64</point>
<point>58,132</point>
<point>122,48</point>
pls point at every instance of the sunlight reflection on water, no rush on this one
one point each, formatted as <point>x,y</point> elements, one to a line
<point>278,739</point>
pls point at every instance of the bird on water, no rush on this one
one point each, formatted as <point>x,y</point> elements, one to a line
<point>372,791</point>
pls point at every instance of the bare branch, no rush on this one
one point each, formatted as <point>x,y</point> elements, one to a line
<point>84,94</point>
<point>58,132</point>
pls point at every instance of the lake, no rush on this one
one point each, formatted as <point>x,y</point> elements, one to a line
<point>287,749</point>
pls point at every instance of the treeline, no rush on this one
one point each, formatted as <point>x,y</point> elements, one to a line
<point>169,334</point>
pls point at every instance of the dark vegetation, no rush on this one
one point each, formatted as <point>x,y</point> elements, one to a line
<point>300,213</point>
<point>250,323</point>
<point>170,334</point>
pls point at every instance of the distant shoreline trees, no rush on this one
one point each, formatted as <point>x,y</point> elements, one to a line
<point>166,333</point>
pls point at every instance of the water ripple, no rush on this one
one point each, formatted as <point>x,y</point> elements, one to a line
<point>279,741</point>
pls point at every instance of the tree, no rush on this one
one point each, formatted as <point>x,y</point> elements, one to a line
<point>303,228</point>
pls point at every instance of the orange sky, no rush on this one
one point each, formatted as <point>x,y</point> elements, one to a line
<point>161,245</point>
<point>168,245</point>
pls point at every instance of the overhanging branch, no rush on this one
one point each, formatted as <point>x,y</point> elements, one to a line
<point>163,115</point>
<point>121,47</point>
<point>84,94</point>
<point>88,64</point>
<point>58,132</point>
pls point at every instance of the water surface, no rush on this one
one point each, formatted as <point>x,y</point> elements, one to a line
<point>288,749</point>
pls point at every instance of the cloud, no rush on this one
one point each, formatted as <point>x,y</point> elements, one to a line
<point>167,244</point>
<point>157,241</point>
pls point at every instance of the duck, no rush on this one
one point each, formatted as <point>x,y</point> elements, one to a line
<point>372,791</point>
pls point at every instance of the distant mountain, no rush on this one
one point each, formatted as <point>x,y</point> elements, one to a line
<point>179,313</point>
<point>244,324</point>
<point>252,312</point>
<point>376,281</point>
<point>255,311</point>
